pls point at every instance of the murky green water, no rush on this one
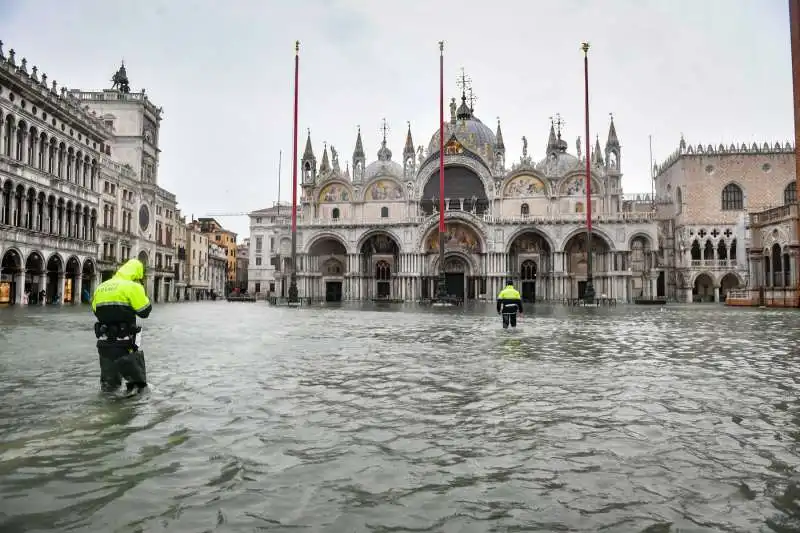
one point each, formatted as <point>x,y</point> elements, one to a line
<point>264,419</point>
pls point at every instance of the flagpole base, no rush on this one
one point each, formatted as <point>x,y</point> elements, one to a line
<point>442,298</point>
<point>588,292</point>
<point>294,298</point>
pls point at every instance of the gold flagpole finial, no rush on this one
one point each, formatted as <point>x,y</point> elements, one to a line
<point>585,48</point>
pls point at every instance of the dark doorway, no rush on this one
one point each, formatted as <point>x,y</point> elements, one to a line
<point>333,291</point>
<point>455,284</point>
<point>581,289</point>
<point>661,290</point>
<point>384,289</point>
<point>528,291</point>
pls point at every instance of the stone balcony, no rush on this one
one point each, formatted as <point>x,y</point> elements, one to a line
<point>715,264</point>
<point>772,216</point>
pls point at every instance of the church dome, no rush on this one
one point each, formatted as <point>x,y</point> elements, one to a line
<point>558,162</point>
<point>476,136</point>
<point>384,166</point>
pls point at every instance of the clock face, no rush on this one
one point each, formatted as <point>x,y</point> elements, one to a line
<point>144,218</point>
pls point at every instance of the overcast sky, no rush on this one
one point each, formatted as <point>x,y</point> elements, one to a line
<point>714,70</point>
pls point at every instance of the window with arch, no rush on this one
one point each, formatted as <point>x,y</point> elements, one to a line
<point>790,194</point>
<point>384,212</point>
<point>335,213</point>
<point>528,270</point>
<point>732,198</point>
<point>383,272</point>
<point>524,210</point>
<point>678,200</point>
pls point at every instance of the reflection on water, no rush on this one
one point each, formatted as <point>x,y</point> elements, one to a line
<point>406,419</point>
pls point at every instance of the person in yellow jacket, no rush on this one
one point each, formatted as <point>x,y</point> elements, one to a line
<point>116,303</point>
<point>509,303</point>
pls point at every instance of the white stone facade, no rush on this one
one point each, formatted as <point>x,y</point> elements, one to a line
<point>374,235</point>
<point>79,188</point>
<point>217,268</point>
<point>705,195</point>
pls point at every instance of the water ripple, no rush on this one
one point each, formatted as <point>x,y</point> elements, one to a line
<point>394,420</point>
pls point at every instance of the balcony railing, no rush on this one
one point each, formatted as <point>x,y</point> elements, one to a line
<point>491,219</point>
<point>714,264</point>
<point>776,214</point>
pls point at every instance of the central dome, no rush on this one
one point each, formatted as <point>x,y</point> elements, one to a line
<point>473,134</point>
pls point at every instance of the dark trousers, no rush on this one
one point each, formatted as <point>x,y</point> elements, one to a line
<point>509,319</point>
<point>120,360</point>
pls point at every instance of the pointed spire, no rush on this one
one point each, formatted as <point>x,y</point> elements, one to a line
<point>597,156</point>
<point>384,153</point>
<point>409,148</point>
<point>325,166</point>
<point>358,153</point>
<point>552,141</point>
<point>613,141</point>
<point>499,145</point>
<point>309,151</point>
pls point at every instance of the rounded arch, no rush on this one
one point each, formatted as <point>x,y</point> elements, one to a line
<point>525,183</point>
<point>369,234</point>
<point>55,263</point>
<point>335,191</point>
<point>325,235</point>
<point>575,183</point>
<point>640,235</point>
<point>88,268</point>
<point>34,263</point>
<point>472,267</point>
<point>790,193</point>
<point>11,260</point>
<point>431,224</point>
<point>383,189</point>
<point>727,280</point>
<point>73,266</point>
<point>596,233</point>
<point>464,187</point>
<point>697,275</point>
<point>529,230</point>
<point>460,234</point>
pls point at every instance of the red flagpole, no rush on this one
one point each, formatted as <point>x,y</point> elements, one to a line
<point>441,139</point>
<point>293,293</point>
<point>589,290</point>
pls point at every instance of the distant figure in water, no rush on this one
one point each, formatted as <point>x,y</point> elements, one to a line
<point>116,303</point>
<point>509,303</point>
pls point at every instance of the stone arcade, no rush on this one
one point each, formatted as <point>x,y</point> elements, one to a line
<point>373,233</point>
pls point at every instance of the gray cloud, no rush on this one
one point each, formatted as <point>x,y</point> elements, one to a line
<point>717,70</point>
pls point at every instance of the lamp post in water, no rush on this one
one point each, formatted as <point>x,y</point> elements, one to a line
<point>588,292</point>
<point>293,296</point>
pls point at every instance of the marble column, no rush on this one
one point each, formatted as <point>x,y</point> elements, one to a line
<point>60,288</point>
<point>19,292</point>
<point>77,287</point>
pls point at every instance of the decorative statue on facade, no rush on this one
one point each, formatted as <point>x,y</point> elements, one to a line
<point>420,154</point>
<point>335,160</point>
<point>358,171</point>
<point>524,146</point>
<point>499,163</point>
<point>452,110</point>
<point>578,147</point>
<point>120,80</point>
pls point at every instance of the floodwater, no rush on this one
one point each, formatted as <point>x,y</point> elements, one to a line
<point>633,419</point>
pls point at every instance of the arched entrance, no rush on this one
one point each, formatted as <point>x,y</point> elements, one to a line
<point>72,280</point>
<point>530,255</point>
<point>89,274</point>
<point>703,290</point>
<point>55,279</point>
<point>326,260</point>
<point>463,191</point>
<point>34,278</point>
<point>455,275</point>
<point>729,282</point>
<point>641,267</point>
<point>577,266</point>
<point>380,257</point>
<point>461,241</point>
<point>10,277</point>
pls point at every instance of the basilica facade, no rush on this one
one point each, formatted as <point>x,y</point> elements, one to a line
<point>370,231</point>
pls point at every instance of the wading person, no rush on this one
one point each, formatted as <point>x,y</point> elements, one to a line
<point>509,303</point>
<point>116,304</point>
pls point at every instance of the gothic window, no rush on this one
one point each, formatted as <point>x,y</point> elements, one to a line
<point>335,213</point>
<point>695,251</point>
<point>790,193</point>
<point>528,270</point>
<point>524,210</point>
<point>384,212</point>
<point>732,197</point>
<point>383,271</point>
